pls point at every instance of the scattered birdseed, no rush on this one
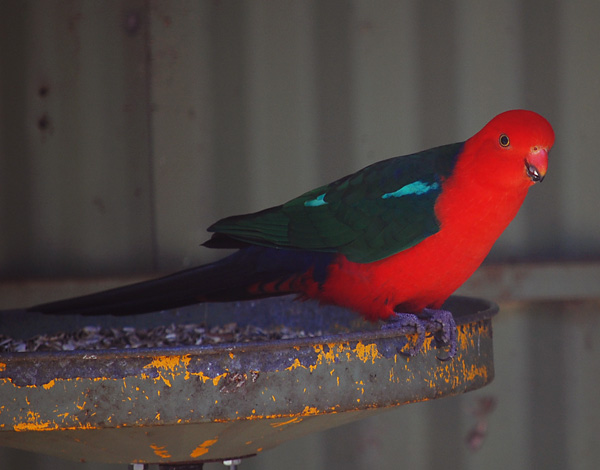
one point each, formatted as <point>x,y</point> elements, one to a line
<point>95,337</point>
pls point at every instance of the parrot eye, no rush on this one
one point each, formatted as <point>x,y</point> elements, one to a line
<point>504,140</point>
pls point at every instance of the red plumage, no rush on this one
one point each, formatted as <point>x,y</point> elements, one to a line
<point>477,202</point>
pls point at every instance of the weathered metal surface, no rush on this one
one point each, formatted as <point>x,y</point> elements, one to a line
<point>232,400</point>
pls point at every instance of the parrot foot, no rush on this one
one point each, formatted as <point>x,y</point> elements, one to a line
<point>409,323</point>
<point>444,331</point>
<point>438,323</point>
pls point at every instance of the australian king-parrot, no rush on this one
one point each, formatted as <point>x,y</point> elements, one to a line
<point>392,241</point>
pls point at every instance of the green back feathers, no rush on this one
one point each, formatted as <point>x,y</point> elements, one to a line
<point>374,213</point>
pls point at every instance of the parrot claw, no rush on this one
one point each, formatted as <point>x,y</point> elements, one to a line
<point>439,323</point>
<point>409,323</point>
<point>444,330</point>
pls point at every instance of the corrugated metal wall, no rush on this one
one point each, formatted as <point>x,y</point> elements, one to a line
<point>127,127</point>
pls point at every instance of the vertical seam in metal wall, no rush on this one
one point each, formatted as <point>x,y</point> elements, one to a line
<point>150,114</point>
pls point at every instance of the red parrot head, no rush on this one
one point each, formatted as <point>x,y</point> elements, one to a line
<point>517,143</point>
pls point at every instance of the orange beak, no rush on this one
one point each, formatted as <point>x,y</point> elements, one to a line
<point>536,164</point>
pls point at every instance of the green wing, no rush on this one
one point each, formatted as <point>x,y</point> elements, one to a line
<point>374,213</point>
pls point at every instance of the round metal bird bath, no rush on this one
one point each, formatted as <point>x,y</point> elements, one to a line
<point>219,402</point>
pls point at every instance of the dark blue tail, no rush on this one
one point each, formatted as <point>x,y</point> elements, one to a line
<point>225,280</point>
